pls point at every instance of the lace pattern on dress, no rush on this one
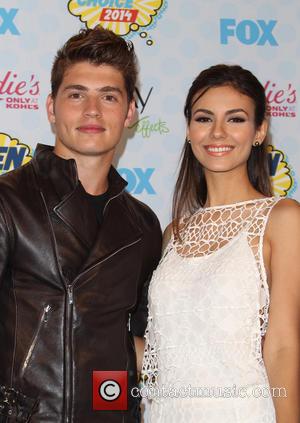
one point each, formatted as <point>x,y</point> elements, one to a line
<point>150,362</point>
<point>204,233</point>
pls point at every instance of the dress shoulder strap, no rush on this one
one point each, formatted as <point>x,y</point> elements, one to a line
<point>260,215</point>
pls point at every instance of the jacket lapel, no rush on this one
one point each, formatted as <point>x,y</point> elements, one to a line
<point>79,215</point>
<point>64,195</point>
<point>118,231</point>
<point>66,200</point>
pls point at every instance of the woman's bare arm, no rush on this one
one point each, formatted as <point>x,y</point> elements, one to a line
<point>282,343</point>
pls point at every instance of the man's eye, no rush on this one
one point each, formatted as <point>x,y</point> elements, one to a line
<point>237,119</point>
<point>75,95</point>
<point>110,98</point>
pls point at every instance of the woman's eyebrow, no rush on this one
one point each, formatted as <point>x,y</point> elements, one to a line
<point>228,112</point>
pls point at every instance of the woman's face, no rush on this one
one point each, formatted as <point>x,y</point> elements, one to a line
<point>222,129</point>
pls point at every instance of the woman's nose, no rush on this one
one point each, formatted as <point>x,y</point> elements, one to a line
<point>218,130</point>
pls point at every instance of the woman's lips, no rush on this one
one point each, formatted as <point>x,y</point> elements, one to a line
<point>218,150</point>
<point>91,129</point>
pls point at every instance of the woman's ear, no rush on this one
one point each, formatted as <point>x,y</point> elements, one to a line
<point>262,131</point>
<point>187,137</point>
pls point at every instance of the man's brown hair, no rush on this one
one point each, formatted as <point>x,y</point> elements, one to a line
<point>97,46</point>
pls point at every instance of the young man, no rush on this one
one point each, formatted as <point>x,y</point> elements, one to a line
<point>76,250</point>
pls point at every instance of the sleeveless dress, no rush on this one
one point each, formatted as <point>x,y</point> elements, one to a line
<point>208,314</point>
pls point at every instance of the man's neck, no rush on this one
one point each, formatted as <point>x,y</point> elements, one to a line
<point>93,175</point>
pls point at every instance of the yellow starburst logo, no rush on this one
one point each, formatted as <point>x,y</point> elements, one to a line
<point>281,173</point>
<point>120,16</point>
<point>13,153</point>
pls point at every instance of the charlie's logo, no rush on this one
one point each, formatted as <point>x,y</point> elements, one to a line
<point>13,153</point>
<point>281,101</point>
<point>124,17</point>
<point>248,31</point>
<point>17,93</point>
<point>281,173</point>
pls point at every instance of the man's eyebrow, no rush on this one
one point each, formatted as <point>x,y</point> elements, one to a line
<point>110,88</point>
<point>76,87</point>
<point>105,89</point>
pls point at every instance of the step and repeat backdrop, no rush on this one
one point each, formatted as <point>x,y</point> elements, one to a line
<point>174,40</point>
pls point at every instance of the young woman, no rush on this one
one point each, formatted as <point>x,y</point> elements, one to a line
<point>222,344</point>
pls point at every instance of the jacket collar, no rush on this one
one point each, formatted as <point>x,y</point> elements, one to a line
<point>63,173</point>
<point>64,195</point>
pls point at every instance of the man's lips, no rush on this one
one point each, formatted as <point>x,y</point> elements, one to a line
<point>218,150</point>
<point>91,129</point>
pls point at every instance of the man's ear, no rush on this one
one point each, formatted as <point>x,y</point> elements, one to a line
<point>130,113</point>
<point>50,109</point>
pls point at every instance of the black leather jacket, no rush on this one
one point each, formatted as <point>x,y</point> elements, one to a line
<point>67,291</point>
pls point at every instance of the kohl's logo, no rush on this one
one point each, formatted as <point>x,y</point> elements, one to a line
<point>281,99</point>
<point>17,93</point>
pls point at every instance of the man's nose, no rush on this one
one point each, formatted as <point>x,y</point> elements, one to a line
<point>92,108</point>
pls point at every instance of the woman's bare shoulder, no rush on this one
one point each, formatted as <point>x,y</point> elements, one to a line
<point>286,208</point>
<point>284,219</point>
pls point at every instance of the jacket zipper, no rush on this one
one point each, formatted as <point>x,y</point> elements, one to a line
<point>104,260</point>
<point>69,319</point>
<point>68,322</point>
<point>69,353</point>
<point>126,334</point>
<point>129,321</point>
<point>43,319</point>
<point>112,198</point>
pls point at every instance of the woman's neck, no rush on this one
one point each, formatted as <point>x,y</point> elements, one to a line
<point>224,188</point>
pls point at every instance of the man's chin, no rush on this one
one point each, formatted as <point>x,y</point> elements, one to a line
<point>69,150</point>
<point>94,152</point>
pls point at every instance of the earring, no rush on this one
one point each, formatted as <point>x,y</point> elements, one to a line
<point>256,144</point>
<point>188,141</point>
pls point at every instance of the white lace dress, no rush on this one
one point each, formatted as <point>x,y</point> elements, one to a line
<point>208,314</point>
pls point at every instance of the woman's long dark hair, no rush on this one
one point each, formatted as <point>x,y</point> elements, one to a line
<point>191,189</point>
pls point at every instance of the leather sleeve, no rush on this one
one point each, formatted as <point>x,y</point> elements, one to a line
<point>4,242</point>
<point>152,243</point>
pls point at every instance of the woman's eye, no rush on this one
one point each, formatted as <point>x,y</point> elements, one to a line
<point>203,119</point>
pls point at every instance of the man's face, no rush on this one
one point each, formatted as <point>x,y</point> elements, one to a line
<point>90,110</point>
